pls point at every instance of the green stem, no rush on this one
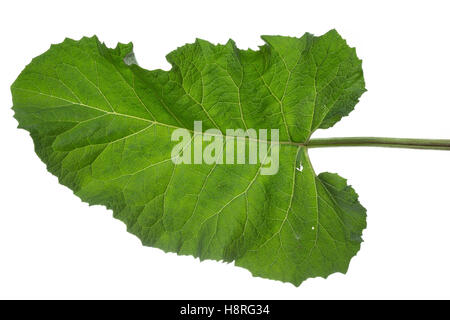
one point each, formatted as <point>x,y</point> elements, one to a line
<point>436,144</point>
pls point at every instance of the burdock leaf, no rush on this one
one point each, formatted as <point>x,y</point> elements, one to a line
<point>103,126</point>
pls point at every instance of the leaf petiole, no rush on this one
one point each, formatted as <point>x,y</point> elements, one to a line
<point>436,144</point>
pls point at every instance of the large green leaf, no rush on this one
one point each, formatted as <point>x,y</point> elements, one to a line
<point>103,126</point>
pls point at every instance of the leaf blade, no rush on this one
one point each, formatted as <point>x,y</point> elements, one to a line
<point>103,127</point>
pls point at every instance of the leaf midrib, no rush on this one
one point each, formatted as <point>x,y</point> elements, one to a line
<point>160,123</point>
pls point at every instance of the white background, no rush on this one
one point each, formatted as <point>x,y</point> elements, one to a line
<point>54,246</point>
